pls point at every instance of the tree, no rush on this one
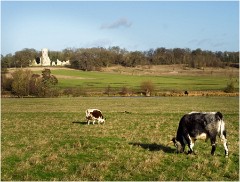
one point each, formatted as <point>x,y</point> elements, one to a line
<point>20,84</point>
<point>47,78</point>
<point>149,56</point>
<point>24,57</point>
<point>162,56</point>
<point>135,58</point>
<point>54,56</point>
<point>178,55</point>
<point>67,54</point>
<point>7,61</point>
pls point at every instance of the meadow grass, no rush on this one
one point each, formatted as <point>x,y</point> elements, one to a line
<point>48,139</point>
<point>101,80</point>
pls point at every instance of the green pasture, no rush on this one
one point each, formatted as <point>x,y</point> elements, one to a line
<point>46,139</point>
<point>101,80</point>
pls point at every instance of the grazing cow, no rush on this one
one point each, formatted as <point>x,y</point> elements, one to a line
<point>200,125</point>
<point>93,115</point>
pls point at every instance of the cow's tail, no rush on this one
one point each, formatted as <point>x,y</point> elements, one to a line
<point>219,118</point>
<point>223,133</point>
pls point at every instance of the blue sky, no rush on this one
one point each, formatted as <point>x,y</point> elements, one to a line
<point>132,25</point>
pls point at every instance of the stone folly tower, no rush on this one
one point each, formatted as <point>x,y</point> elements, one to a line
<point>45,61</point>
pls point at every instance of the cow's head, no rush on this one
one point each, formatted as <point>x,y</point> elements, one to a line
<point>102,120</point>
<point>178,145</point>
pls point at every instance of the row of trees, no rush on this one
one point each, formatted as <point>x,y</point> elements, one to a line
<point>94,58</point>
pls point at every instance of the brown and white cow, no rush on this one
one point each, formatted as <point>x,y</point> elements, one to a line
<point>93,115</point>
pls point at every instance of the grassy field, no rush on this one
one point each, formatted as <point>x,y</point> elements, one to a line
<point>47,139</point>
<point>132,78</point>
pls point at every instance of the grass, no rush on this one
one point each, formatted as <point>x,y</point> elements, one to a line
<point>101,80</point>
<point>47,139</point>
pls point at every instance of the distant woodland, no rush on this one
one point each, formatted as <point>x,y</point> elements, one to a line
<point>93,59</point>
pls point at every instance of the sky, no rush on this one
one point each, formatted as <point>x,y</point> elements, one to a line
<point>143,25</point>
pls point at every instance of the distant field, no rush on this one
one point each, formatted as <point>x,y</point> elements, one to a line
<point>164,80</point>
<point>47,139</point>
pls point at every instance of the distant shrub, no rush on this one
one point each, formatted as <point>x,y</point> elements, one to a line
<point>147,87</point>
<point>108,90</point>
<point>77,92</point>
<point>6,83</point>
<point>124,91</point>
<point>53,92</point>
<point>35,85</point>
<point>230,86</point>
<point>20,84</point>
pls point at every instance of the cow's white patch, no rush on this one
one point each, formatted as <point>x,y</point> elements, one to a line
<point>225,144</point>
<point>191,145</point>
<point>202,136</point>
<point>195,112</point>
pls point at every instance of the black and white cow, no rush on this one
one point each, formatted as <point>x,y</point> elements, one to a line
<point>93,115</point>
<point>200,125</point>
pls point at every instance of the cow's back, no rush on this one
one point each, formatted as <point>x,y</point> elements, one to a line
<point>96,113</point>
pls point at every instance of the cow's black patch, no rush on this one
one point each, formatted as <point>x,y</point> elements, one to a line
<point>96,114</point>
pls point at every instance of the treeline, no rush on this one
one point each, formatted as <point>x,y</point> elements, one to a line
<point>89,59</point>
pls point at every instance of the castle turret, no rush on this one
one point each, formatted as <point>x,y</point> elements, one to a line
<point>45,61</point>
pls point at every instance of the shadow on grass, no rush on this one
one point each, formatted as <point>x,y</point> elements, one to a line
<point>154,147</point>
<point>80,122</point>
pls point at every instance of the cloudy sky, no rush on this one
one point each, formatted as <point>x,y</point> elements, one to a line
<point>132,25</point>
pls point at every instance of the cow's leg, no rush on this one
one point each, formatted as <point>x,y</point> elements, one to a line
<point>190,143</point>
<point>87,121</point>
<point>224,139</point>
<point>93,121</point>
<point>213,143</point>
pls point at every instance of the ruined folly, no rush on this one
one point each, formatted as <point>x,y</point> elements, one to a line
<point>44,60</point>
